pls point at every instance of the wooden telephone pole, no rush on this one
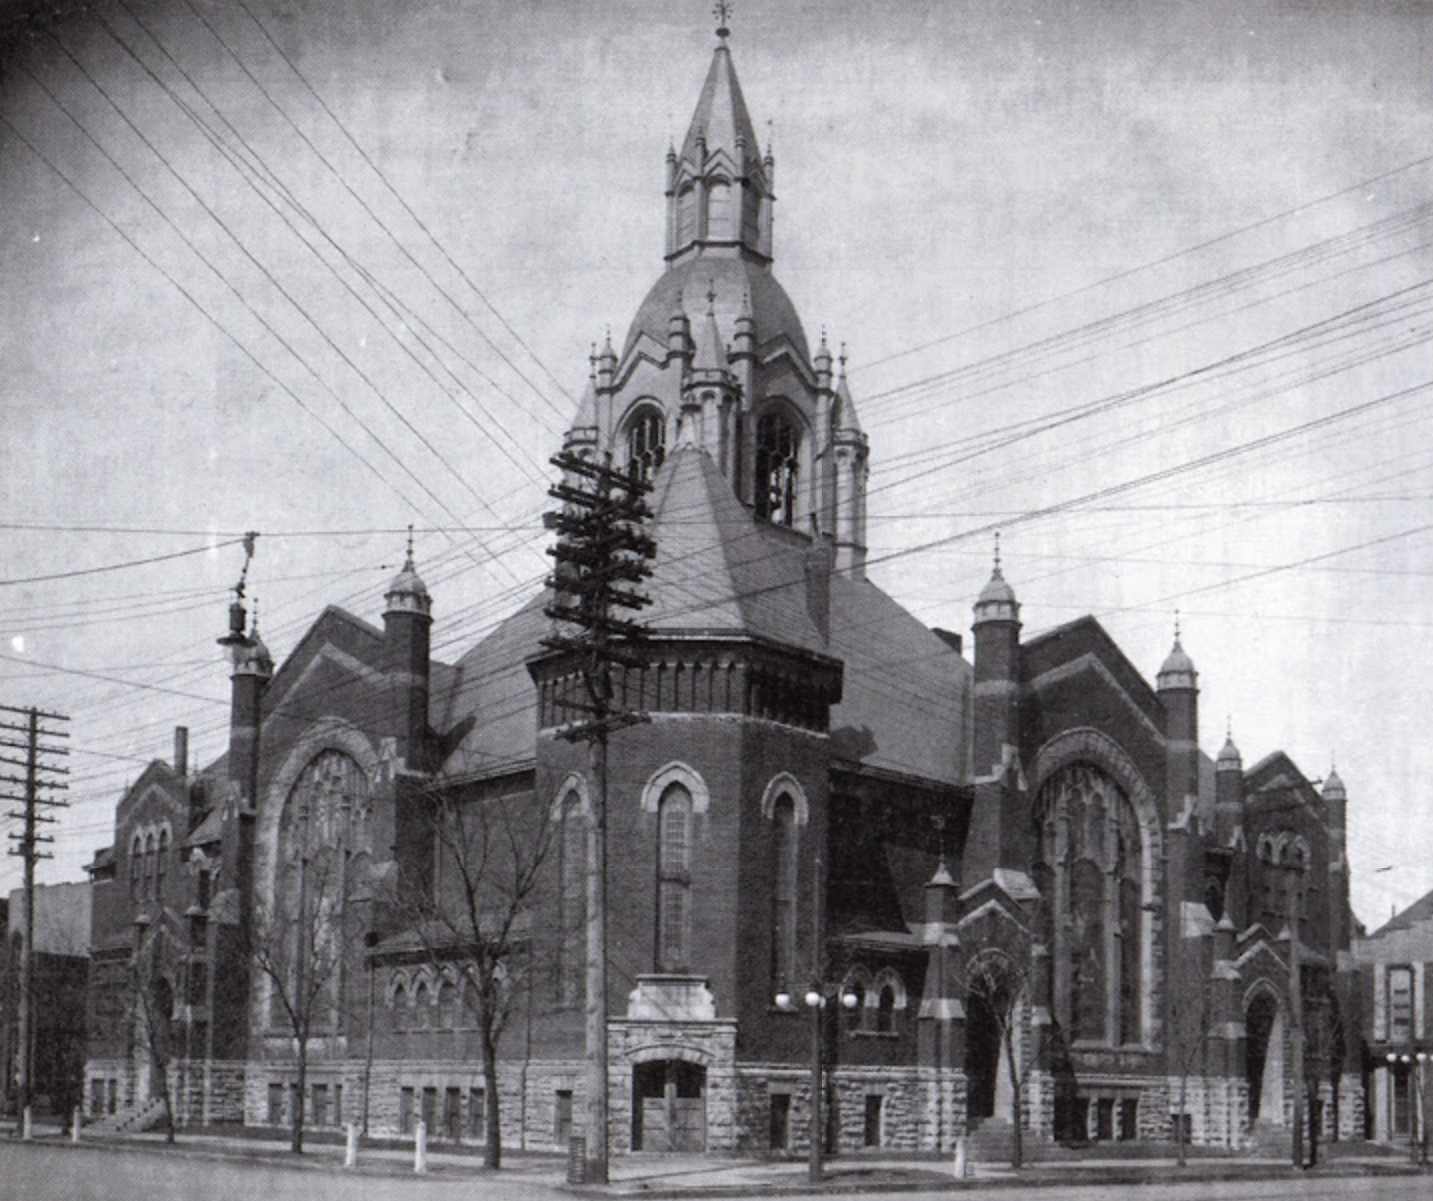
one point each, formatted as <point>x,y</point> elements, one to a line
<point>602,555</point>
<point>38,732</point>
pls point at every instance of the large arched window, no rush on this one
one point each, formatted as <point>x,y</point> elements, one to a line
<point>1091,869</point>
<point>324,841</point>
<point>686,215</point>
<point>674,879</point>
<point>719,214</point>
<point>777,468</point>
<point>149,867</point>
<point>783,877</point>
<point>646,444</point>
<point>161,855</point>
<point>136,863</point>
<point>572,898</point>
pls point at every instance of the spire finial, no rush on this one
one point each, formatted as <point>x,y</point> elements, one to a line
<point>1176,627</point>
<point>997,552</point>
<point>254,621</point>
<point>592,362</point>
<point>722,12</point>
<point>843,360</point>
<point>711,296</point>
<point>1229,727</point>
<point>408,566</point>
<point>770,133</point>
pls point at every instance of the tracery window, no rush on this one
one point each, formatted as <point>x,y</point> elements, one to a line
<point>324,847</point>
<point>777,468</point>
<point>783,876</point>
<point>1091,870</point>
<point>646,444</point>
<point>674,879</point>
<point>161,855</point>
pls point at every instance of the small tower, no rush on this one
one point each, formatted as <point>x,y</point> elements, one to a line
<point>407,626</point>
<point>1336,808</point>
<point>998,822</point>
<point>851,452</point>
<point>1178,686</point>
<point>1228,792</point>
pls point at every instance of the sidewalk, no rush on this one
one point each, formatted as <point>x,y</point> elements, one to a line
<point>691,1176</point>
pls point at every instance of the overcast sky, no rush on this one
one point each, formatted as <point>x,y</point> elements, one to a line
<point>1144,285</point>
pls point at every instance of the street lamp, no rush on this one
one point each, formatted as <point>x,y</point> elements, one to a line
<point>816,997</point>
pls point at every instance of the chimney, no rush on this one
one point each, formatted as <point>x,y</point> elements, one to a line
<point>181,750</point>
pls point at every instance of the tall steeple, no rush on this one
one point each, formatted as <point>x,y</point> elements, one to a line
<point>719,192</point>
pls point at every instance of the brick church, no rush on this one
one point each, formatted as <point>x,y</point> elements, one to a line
<point>829,798</point>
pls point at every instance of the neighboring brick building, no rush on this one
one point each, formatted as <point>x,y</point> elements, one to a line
<point>61,975</point>
<point>1395,964</point>
<point>825,787</point>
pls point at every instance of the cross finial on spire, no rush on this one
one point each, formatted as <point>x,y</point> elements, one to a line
<point>997,552</point>
<point>1176,627</point>
<point>410,546</point>
<point>722,12</point>
<point>711,295</point>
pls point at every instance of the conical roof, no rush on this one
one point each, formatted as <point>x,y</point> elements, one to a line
<point>721,116</point>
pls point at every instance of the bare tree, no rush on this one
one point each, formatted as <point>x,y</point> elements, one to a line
<point>475,917</point>
<point>998,978</point>
<point>1187,1044</point>
<point>302,940</point>
<point>154,972</point>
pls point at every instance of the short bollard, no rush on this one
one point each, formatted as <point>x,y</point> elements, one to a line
<point>27,1129</point>
<point>75,1125</point>
<point>962,1167</point>
<point>420,1148</point>
<point>350,1152</point>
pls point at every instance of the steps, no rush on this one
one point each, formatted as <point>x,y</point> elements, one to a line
<point>131,1121</point>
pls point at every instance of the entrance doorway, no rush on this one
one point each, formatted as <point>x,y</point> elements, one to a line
<point>1264,1026</point>
<point>669,1106</point>
<point>982,1056</point>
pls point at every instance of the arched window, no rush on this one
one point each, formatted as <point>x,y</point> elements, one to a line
<point>646,444</point>
<point>1091,870</point>
<point>686,215</point>
<point>572,901</point>
<point>136,864</point>
<point>160,857</point>
<point>447,1005</point>
<point>783,876</point>
<point>324,834</point>
<point>674,879</point>
<point>719,223</point>
<point>855,1014</point>
<point>886,1010</point>
<point>400,1007</point>
<point>149,867</point>
<point>422,1006</point>
<point>777,469</point>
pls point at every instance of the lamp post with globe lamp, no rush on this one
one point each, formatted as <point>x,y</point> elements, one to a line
<point>816,997</point>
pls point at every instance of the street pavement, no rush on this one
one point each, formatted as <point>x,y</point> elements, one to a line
<point>142,1167</point>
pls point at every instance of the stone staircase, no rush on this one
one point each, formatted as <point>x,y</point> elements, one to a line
<point>130,1121</point>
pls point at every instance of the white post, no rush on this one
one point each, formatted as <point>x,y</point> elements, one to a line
<point>962,1166</point>
<point>75,1125</point>
<point>420,1147</point>
<point>27,1131</point>
<point>350,1154</point>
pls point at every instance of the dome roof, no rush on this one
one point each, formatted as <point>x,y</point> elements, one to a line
<point>1333,786</point>
<point>1229,758</point>
<point>1178,669</point>
<point>738,284</point>
<point>407,593</point>
<point>997,600</point>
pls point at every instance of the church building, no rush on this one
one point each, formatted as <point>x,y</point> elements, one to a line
<point>997,867</point>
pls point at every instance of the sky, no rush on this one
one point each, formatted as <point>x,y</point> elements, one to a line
<point>1144,286</point>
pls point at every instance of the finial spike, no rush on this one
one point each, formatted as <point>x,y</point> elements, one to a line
<point>254,620</point>
<point>997,552</point>
<point>843,360</point>
<point>410,546</point>
<point>722,12</point>
<point>711,295</point>
<point>1176,627</point>
<point>1229,727</point>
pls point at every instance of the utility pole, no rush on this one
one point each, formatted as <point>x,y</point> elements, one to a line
<point>601,554</point>
<point>38,781</point>
<point>1296,1013</point>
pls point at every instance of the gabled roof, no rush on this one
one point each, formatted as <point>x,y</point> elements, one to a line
<point>1085,635</point>
<point>1416,914</point>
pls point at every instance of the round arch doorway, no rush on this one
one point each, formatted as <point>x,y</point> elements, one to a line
<point>669,1106</point>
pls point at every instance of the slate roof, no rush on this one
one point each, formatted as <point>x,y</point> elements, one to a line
<point>720,572</point>
<point>721,116</point>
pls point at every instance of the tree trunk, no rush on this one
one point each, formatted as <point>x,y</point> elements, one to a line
<point>162,1070</point>
<point>1179,1117</point>
<point>493,1149</point>
<point>1017,1144</point>
<point>296,1143</point>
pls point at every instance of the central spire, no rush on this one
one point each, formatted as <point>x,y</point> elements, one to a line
<point>719,191</point>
